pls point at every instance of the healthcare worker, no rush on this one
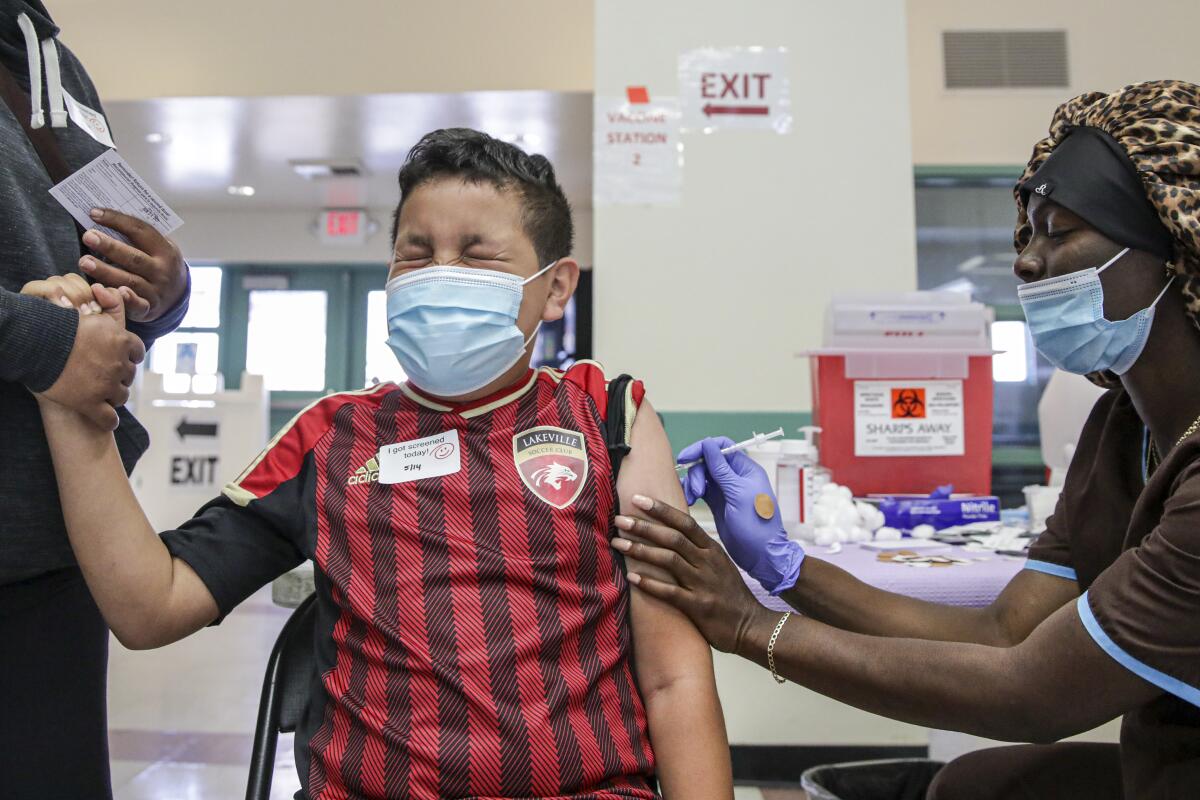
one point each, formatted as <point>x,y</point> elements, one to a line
<point>53,640</point>
<point>1104,620</point>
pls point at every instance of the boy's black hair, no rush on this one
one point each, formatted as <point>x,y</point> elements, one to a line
<point>475,157</point>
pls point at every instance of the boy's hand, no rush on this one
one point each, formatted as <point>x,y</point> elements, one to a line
<point>102,362</point>
<point>151,268</point>
<point>68,291</point>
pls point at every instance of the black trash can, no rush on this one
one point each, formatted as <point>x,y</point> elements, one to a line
<point>892,779</point>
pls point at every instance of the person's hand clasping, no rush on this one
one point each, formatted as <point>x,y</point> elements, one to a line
<point>150,272</point>
<point>104,358</point>
<point>739,494</point>
<point>68,291</point>
<point>708,588</point>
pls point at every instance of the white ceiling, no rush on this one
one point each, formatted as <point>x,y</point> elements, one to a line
<point>214,142</point>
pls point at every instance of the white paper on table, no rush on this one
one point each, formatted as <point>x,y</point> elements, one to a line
<point>903,544</point>
<point>108,181</point>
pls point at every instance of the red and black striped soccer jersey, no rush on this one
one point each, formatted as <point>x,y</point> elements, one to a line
<point>473,636</point>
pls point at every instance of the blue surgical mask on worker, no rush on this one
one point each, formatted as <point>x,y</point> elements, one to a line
<point>1066,320</point>
<point>454,329</point>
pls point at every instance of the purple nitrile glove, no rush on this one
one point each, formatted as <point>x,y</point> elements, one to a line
<point>731,484</point>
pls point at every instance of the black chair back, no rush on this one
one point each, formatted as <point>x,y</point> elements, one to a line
<point>285,694</point>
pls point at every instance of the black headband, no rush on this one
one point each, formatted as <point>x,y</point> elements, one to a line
<point>1090,174</point>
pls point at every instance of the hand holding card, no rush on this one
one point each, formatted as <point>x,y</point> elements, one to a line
<point>148,270</point>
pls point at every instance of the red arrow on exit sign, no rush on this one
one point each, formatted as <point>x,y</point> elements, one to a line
<point>757,111</point>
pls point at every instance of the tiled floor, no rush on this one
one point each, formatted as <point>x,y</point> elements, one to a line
<point>181,719</point>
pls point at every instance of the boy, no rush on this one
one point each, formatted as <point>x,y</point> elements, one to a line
<point>476,636</point>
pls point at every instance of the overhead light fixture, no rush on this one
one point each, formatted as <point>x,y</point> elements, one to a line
<point>241,191</point>
<point>315,169</point>
<point>155,137</point>
<point>522,140</point>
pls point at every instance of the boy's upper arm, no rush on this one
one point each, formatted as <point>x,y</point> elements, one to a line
<point>666,644</point>
<point>649,468</point>
<point>235,550</point>
<point>255,530</point>
<point>191,605</point>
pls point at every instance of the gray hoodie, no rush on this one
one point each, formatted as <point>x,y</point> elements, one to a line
<point>38,238</point>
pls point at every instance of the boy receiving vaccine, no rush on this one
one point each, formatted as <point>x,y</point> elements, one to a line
<point>476,635</point>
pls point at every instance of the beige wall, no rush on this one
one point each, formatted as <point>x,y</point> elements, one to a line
<point>283,237</point>
<point>137,49</point>
<point>711,300</point>
<point>1108,46</point>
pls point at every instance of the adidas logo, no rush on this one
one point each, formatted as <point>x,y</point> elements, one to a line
<point>367,473</point>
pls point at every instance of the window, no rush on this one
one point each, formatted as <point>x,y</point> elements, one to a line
<point>185,353</point>
<point>188,358</point>
<point>964,243</point>
<point>285,339</point>
<point>381,363</point>
<point>204,310</point>
<point>1011,362</point>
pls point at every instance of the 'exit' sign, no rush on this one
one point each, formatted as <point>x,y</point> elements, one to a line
<point>342,226</point>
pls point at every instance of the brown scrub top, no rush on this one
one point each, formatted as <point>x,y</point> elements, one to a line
<point>1132,543</point>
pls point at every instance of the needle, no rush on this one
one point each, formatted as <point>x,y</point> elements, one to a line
<point>757,438</point>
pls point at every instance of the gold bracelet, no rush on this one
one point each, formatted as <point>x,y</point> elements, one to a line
<point>771,648</point>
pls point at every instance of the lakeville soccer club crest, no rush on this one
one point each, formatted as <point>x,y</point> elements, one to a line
<point>552,462</point>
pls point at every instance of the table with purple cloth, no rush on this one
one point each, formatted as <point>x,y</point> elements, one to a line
<point>974,584</point>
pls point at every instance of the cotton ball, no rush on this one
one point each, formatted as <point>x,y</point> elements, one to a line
<point>804,532</point>
<point>872,517</point>
<point>886,534</point>
<point>823,516</point>
<point>845,493</point>
<point>847,517</point>
<point>829,489</point>
<point>923,532</point>
<point>825,536</point>
<point>860,535</point>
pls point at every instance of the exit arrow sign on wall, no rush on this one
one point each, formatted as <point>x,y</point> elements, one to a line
<point>185,429</point>
<point>710,109</point>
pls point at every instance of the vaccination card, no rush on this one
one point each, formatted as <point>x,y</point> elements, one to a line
<point>108,181</point>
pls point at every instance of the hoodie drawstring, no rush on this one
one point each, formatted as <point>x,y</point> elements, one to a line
<point>35,70</point>
<point>54,87</point>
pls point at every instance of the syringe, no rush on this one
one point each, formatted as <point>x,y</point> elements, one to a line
<point>757,438</point>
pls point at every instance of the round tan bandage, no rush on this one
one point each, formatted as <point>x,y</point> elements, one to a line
<point>764,505</point>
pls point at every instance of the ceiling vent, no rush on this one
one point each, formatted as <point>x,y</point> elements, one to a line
<point>314,169</point>
<point>1005,59</point>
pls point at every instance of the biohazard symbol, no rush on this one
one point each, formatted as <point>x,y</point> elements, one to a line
<point>908,404</point>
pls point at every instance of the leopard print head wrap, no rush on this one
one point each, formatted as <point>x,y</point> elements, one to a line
<point>1158,125</point>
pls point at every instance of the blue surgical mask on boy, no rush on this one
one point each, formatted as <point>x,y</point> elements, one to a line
<point>1066,320</point>
<point>454,329</point>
